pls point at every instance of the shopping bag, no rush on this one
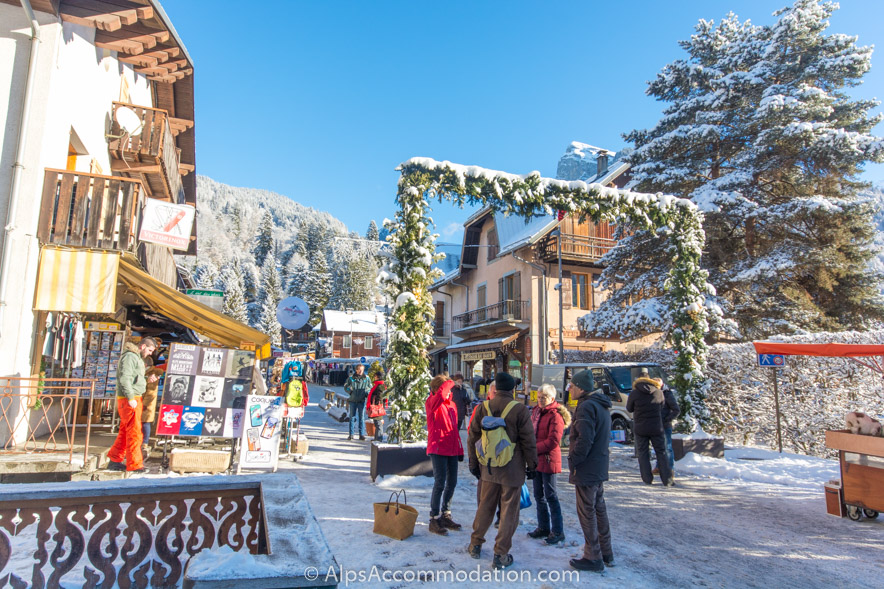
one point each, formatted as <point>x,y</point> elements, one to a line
<point>395,520</point>
<point>525,500</point>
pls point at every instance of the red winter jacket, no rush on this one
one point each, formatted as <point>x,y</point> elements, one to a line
<point>549,424</point>
<point>443,437</point>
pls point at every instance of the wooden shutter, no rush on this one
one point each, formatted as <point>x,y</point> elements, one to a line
<point>500,289</point>
<point>517,286</point>
<point>566,289</point>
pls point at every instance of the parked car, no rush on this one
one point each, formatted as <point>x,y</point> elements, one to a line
<point>615,378</point>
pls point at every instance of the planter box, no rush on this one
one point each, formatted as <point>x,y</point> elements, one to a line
<point>408,460</point>
<point>713,447</point>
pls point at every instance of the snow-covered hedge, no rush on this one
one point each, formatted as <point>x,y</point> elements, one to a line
<point>815,393</point>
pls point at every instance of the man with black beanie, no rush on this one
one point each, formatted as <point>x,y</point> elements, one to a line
<point>502,483</point>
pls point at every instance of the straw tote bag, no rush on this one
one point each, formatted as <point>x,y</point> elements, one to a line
<point>395,520</point>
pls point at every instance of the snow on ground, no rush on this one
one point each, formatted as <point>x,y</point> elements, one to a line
<point>728,523</point>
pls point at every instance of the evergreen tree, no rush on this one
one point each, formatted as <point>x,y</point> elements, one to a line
<point>271,295</point>
<point>234,292</point>
<point>316,287</point>
<point>264,246</point>
<point>759,133</point>
<point>206,274</point>
<point>372,234</point>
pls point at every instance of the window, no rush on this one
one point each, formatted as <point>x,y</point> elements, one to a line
<point>580,291</point>
<point>346,341</point>
<point>369,342</point>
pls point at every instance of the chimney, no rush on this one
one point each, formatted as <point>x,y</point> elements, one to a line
<point>602,163</point>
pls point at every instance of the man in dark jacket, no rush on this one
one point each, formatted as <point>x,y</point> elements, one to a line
<point>501,484</point>
<point>645,402</point>
<point>670,412</point>
<point>357,386</point>
<point>588,470</point>
<point>460,398</point>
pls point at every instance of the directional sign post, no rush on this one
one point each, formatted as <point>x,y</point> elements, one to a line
<point>775,361</point>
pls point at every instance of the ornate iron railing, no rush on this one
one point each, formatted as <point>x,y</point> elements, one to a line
<point>505,310</point>
<point>138,536</point>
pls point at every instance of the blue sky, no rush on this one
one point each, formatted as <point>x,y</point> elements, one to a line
<point>321,100</point>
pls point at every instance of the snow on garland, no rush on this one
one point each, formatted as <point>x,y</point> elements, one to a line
<point>527,196</point>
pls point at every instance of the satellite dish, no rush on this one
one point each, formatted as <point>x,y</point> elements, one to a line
<point>128,120</point>
<point>292,313</point>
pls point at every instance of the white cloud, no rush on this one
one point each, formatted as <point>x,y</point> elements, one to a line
<point>451,229</point>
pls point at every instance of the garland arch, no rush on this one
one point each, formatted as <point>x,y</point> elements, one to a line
<point>409,274</point>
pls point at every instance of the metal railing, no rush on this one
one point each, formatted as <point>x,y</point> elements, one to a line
<point>40,414</point>
<point>441,329</point>
<point>140,535</point>
<point>511,310</point>
<point>89,210</point>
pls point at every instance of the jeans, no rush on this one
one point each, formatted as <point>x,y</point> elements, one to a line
<point>357,418</point>
<point>445,479</point>
<point>145,431</point>
<point>667,431</point>
<point>547,503</point>
<point>643,453</point>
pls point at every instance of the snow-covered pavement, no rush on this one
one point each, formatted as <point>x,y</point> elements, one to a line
<point>707,531</point>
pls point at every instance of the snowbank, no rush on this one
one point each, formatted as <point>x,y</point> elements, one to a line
<point>759,465</point>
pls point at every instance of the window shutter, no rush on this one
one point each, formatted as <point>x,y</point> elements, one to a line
<point>500,297</point>
<point>566,289</point>
<point>517,286</point>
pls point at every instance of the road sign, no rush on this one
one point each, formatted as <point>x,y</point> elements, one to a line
<point>362,360</point>
<point>772,360</point>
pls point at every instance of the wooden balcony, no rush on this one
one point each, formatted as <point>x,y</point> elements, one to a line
<point>90,210</point>
<point>576,249</point>
<point>150,156</point>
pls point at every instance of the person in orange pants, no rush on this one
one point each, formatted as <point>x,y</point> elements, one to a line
<point>131,383</point>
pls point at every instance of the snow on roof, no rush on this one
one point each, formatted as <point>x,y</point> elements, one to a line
<point>359,321</point>
<point>513,232</point>
<point>481,342</point>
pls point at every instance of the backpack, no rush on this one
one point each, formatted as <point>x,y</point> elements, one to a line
<point>295,394</point>
<point>495,448</point>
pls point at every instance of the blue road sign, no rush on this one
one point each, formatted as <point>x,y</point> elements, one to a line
<point>362,360</point>
<point>772,360</point>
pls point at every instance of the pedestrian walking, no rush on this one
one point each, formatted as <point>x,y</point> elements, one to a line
<point>445,450</point>
<point>588,459</point>
<point>549,419</point>
<point>131,384</point>
<point>670,412</point>
<point>376,404</point>
<point>645,402</point>
<point>501,430</point>
<point>357,386</point>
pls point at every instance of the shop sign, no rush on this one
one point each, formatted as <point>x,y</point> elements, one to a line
<point>166,223</point>
<point>474,356</point>
<point>102,326</point>
<point>208,297</point>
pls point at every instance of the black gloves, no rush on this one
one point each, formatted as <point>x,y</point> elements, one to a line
<point>530,473</point>
<point>460,458</point>
<point>476,472</point>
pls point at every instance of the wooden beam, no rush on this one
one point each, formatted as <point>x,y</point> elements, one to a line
<point>186,169</point>
<point>120,45</point>
<point>179,125</point>
<point>171,77</point>
<point>160,69</point>
<point>159,54</point>
<point>118,165</point>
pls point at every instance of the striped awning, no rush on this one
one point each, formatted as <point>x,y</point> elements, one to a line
<point>77,281</point>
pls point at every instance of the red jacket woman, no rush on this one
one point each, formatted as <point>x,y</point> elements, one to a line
<point>549,424</point>
<point>442,435</point>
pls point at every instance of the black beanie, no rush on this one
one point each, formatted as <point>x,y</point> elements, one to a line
<point>504,382</point>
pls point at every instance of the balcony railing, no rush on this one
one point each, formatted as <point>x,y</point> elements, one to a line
<point>503,311</point>
<point>441,329</point>
<point>89,210</point>
<point>576,247</point>
<point>150,155</point>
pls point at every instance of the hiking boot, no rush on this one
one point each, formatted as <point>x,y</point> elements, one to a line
<point>145,450</point>
<point>671,483</point>
<point>436,527</point>
<point>555,538</point>
<point>449,523</point>
<point>116,466</point>
<point>501,562</point>
<point>350,437</point>
<point>538,533</point>
<point>608,560</point>
<point>362,438</point>
<point>475,550</point>
<point>584,564</point>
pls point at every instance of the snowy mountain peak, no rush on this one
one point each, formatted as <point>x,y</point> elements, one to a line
<point>581,161</point>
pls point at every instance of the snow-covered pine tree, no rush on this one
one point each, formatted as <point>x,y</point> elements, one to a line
<point>271,294</point>
<point>761,135</point>
<point>372,233</point>
<point>206,274</point>
<point>234,292</point>
<point>264,246</point>
<point>316,287</point>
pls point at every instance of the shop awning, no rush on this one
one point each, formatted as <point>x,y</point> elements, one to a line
<point>77,281</point>
<point>191,313</point>
<point>478,345</point>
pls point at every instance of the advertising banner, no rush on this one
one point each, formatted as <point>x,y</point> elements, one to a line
<point>167,224</point>
<point>260,438</point>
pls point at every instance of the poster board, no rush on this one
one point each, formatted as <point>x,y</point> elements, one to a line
<point>259,448</point>
<point>205,391</point>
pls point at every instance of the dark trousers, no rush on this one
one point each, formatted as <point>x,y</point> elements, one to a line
<point>509,499</point>
<point>547,500</point>
<point>445,475</point>
<point>643,453</point>
<point>357,418</point>
<point>593,515</point>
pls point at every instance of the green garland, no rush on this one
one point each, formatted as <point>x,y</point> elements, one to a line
<point>408,277</point>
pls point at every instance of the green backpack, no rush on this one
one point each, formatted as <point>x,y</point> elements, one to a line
<point>295,394</point>
<point>495,448</point>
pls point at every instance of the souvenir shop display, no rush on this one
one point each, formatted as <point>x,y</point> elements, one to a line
<point>103,351</point>
<point>205,391</point>
<point>297,396</point>
<point>259,448</point>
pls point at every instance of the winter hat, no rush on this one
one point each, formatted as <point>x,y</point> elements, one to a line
<point>643,371</point>
<point>504,382</point>
<point>583,380</point>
